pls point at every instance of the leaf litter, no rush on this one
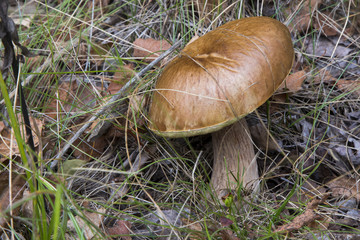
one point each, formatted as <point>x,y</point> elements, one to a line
<point>124,166</point>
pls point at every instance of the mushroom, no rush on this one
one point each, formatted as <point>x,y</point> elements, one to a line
<point>216,81</point>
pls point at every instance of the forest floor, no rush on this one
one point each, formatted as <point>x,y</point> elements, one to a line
<point>104,175</point>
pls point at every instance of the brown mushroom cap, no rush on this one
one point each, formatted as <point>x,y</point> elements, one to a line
<point>221,77</point>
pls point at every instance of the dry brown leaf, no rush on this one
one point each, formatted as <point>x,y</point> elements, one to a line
<point>85,150</point>
<point>306,218</point>
<point>322,222</point>
<point>324,77</point>
<point>302,19</point>
<point>149,49</point>
<point>137,104</point>
<point>293,82</point>
<point>309,190</point>
<point>73,99</point>
<point>5,136</point>
<point>33,63</point>
<point>24,22</point>
<point>348,86</point>
<point>227,234</point>
<point>344,187</point>
<point>120,229</point>
<point>122,75</point>
<point>2,126</point>
<point>93,54</point>
<point>135,108</point>
<point>27,208</point>
<point>17,189</point>
<point>95,218</point>
<point>325,26</point>
<point>342,84</point>
<point>195,227</point>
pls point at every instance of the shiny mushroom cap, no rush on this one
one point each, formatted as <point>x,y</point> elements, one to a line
<point>221,77</point>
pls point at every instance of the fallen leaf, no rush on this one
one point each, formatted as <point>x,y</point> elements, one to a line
<point>84,150</point>
<point>122,75</point>
<point>25,22</point>
<point>225,222</point>
<point>137,104</point>
<point>27,208</point>
<point>16,191</point>
<point>302,14</point>
<point>195,227</point>
<point>293,82</point>
<point>309,190</point>
<point>72,98</point>
<point>307,217</point>
<point>120,229</point>
<point>325,25</point>
<point>149,49</point>
<point>352,86</point>
<point>344,187</point>
<point>95,218</point>
<point>5,135</point>
<point>324,76</point>
<point>227,234</point>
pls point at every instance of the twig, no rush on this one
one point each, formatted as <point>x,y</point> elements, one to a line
<point>115,98</point>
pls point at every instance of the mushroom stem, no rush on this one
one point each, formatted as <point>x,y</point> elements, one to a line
<point>234,159</point>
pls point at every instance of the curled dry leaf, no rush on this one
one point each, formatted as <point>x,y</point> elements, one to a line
<point>17,189</point>
<point>306,218</point>
<point>149,49</point>
<point>225,222</point>
<point>195,228</point>
<point>324,76</point>
<point>95,218</point>
<point>349,86</point>
<point>293,82</point>
<point>309,190</point>
<point>302,14</point>
<point>87,150</point>
<point>5,133</point>
<point>344,187</point>
<point>136,108</point>
<point>122,75</point>
<point>325,25</point>
<point>120,229</point>
<point>343,85</point>
<point>73,98</point>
